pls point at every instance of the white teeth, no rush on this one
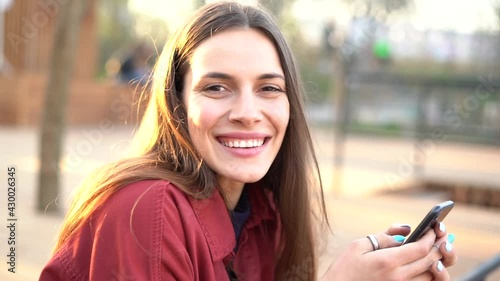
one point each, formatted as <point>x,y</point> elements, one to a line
<point>244,143</point>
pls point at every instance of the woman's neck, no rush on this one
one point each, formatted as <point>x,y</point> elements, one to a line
<point>232,191</point>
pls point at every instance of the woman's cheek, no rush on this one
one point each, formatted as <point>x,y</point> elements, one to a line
<point>282,111</point>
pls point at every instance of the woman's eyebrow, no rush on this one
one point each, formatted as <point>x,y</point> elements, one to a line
<point>225,76</point>
<point>270,76</point>
<point>218,75</point>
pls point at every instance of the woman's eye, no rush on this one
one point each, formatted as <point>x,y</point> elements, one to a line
<point>272,89</point>
<point>215,88</point>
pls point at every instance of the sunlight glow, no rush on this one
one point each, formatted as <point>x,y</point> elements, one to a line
<point>452,15</point>
<point>449,15</point>
<point>171,11</point>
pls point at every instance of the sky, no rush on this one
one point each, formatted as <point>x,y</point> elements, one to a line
<point>464,16</point>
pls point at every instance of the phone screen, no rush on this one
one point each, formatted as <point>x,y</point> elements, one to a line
<point>436,214</point>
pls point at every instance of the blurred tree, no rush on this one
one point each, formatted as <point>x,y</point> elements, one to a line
<point>116,29</point>
<point>369,15</point>
<point>276,7</point>
<point>496,7</point>
<point>198,3</point>
<point>377,8</point>
<point>63,58</point>
<point>308,56</point>
<point>344,54</point>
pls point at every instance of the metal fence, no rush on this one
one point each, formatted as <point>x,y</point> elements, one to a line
<point>482,271</point>
<point>465,109</point>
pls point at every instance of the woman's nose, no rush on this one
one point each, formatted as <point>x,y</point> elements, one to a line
<point>246,109</point>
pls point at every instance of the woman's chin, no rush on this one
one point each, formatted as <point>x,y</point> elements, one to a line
<point>243,179</point>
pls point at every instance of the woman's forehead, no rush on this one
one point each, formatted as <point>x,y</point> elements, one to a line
<point>242,49</point>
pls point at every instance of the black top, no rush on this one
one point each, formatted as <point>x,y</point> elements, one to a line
<point>240,215</point>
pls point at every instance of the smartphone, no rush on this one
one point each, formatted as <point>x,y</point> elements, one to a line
<point>436,214</point>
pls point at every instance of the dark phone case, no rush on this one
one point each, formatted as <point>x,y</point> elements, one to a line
<point>437,213</point>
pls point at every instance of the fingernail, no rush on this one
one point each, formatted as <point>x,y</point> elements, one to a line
<point>448,247</point>
<point>451,237</point>
<point>440,266</point>
<point>398,238</point>
<point>442,227</point>
<point>404,225</point>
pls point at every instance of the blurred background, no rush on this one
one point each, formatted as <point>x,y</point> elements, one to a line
<point>403,102</point>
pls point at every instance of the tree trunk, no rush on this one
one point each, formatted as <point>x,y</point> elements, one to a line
<point>63,58</point>
<point>339,78</point>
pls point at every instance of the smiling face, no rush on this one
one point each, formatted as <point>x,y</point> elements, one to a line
<point>237,106</point>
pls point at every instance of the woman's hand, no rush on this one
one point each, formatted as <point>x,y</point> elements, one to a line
<point>416,261</point>
<point>444,243</point>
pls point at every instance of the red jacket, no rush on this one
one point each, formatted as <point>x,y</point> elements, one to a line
<point>150,230</point>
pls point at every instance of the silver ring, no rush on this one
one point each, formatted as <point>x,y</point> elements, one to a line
<point>374,242</point>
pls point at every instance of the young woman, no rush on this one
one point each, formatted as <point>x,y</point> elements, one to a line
<point>222,187</point>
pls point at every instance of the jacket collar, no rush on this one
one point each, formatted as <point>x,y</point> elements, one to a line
<point>215,221</point>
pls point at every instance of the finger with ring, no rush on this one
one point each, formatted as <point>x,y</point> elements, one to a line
<point>374,242</point>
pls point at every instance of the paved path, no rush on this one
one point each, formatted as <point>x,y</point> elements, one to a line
<point>358,207</point>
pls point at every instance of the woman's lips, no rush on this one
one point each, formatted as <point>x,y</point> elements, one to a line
<point>243,145</point>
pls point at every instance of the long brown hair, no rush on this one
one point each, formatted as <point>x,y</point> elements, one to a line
<point>164,149</point>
